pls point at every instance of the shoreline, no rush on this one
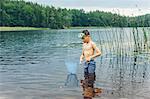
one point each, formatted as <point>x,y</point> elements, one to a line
<point>17,29</point>
<point>92,27</point>
<point>13,29</point>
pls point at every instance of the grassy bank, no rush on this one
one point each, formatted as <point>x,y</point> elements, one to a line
<point>20,28</point>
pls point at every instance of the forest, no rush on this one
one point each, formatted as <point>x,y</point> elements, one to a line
<point>29,14</point>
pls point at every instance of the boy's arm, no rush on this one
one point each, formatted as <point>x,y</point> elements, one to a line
<point>98,52</point>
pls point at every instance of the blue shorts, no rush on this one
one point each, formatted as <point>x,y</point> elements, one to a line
<point>89,67</point>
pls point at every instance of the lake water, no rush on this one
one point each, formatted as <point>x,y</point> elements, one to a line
<point>33,63</point>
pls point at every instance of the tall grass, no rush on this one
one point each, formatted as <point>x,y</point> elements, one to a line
<point>125,55</point>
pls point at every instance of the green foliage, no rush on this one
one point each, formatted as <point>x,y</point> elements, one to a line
<point>21,13</point>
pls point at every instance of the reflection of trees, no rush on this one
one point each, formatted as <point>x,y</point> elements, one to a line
<point>23,46</point>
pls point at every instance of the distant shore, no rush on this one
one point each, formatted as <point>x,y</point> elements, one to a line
<point>82,27</point>
<point>21,29</point>
<point>3,29</point>
<point>34,28</point>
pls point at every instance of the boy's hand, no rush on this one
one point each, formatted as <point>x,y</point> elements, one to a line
<point>81,61</point>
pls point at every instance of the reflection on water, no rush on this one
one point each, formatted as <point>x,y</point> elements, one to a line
<point>32,64</point>
<point>72,80</point>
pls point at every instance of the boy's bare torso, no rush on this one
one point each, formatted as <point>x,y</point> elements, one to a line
<point>88,50</point>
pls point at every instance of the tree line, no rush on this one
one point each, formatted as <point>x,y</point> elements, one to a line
<point>21,13</point>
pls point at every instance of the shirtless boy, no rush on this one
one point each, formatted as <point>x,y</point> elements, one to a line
<point>89,52</point>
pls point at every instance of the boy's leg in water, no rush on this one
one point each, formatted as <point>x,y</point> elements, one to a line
<point>91,73</point>
<point>88,83</point>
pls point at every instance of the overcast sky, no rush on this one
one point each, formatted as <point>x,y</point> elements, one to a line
<point>125,7</point>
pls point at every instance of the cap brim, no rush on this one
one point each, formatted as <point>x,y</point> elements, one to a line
<point>81,35</point>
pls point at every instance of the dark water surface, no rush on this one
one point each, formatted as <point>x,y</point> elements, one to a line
<point>32,64</point>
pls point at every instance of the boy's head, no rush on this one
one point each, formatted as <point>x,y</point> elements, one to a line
<point>85,35</point>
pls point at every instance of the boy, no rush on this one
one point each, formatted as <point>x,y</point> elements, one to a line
<point>89,53</point>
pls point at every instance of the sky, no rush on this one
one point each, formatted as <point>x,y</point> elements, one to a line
<point>122,7</point>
